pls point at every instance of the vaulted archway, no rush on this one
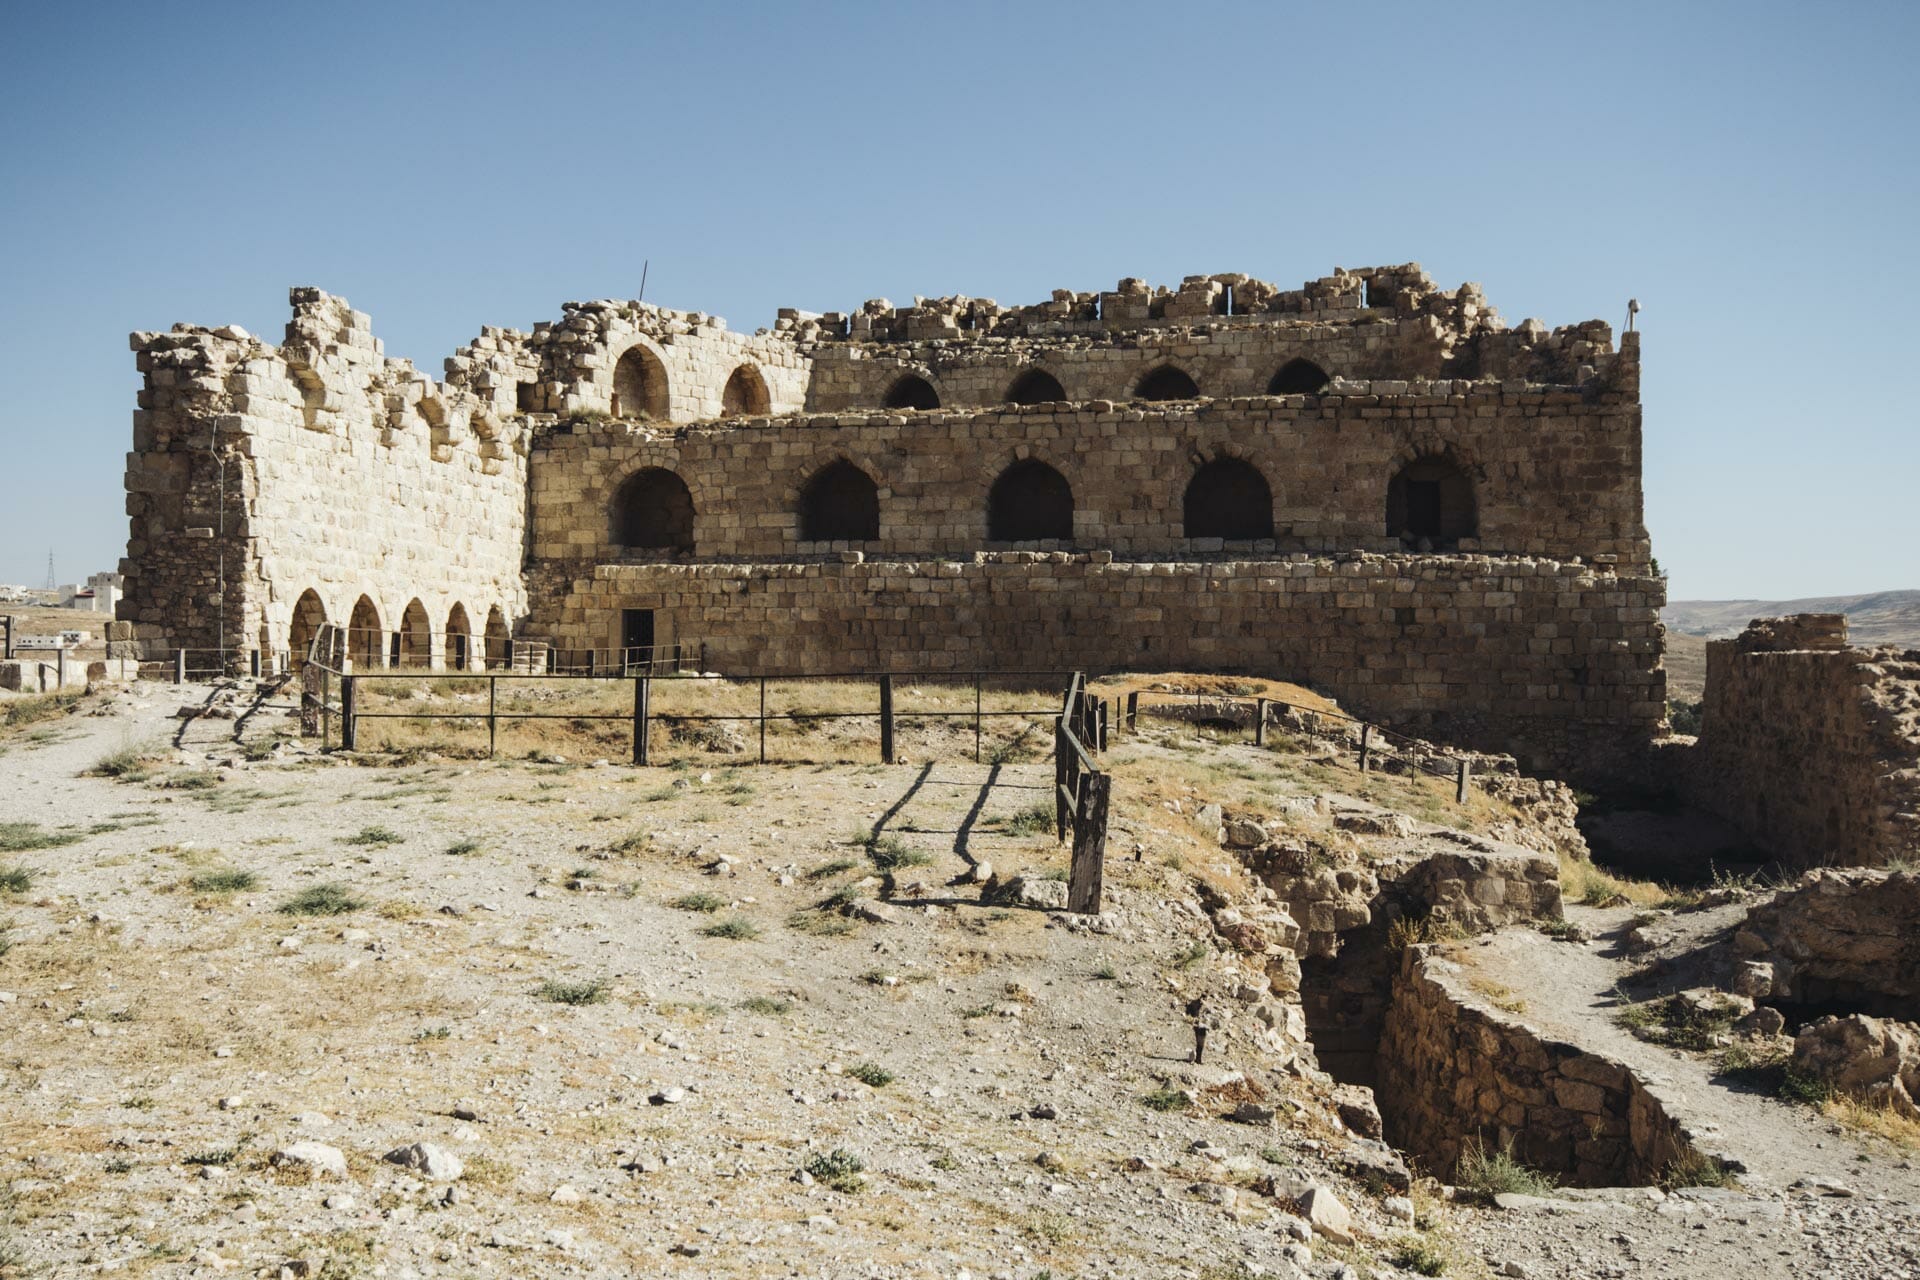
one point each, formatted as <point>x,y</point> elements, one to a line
<point>1228,498</point>
<point>309,615</point>
<point>416,637</point>
<point>1298,378</point>
<point>639,385</point>
<point>1035,386</point>
<point>1166,383</point>
<point>1030,502</point>
<point>1431,503</point>
<point>840,503</point>
<point>458,654</point>
<point>366,641</point>
<point>652,511</point>
<point>745,394</point>
<point>911,391</point>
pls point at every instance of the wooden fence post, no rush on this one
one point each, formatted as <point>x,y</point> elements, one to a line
<point>1105,706</point>
<point>1259,722</point>
<point>1460,788</point>
<point>349,723</point>
<point>6,629</point>
<point>1133,710</point>
<point>1089,846</point>
<point>1366,745</point>
<point>886,719</point>
<point>642,714</point>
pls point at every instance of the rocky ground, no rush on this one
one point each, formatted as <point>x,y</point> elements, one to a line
<point>735,1022</point>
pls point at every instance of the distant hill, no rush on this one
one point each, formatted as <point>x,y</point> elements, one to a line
<point>1883,617</point>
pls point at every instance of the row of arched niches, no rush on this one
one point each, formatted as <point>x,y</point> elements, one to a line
<point>1165,382</point>
<point>1430,506</point>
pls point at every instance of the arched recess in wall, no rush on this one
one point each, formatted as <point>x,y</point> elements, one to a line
<point>653,511</point>
<point>458,654</point>
<point>745,394</point>
<point>840,503</point>
<point>1228,498</point>
<point>366,641</point>
<point>1431,503</point>
<point>911,391</point>
<point>1035,386</point>
<point>639,385</point>
<point>1030,502</point>
<point>1298,378</point>
<point>499,640</point>
<point>1166,383</point>
<point>309,615</point>
<point>416,636</point>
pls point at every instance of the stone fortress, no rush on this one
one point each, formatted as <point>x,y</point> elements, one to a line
<point>1368,484</point>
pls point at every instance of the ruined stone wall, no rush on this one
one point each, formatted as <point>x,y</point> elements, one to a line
<point>1555,662</point>
<point>345,473</point>
<point>1453,1069</point>
<point>1555,472</point>
<point>1229,332</point>
<point>1811,747</point>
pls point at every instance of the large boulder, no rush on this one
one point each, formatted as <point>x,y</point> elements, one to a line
<point>1873,1059</point>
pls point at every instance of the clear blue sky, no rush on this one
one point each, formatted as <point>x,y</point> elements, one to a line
<point>1747,170</point>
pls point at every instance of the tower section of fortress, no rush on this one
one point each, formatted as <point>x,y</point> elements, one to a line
<point>1368,484</point>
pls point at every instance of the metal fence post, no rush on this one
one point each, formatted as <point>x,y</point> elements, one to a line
<point>60,668</point>
<point>179,666</point>
<point>349,726</point>
<point>253,663</point>
<point>642,713</point>
<point>1366,745</point>
<point>763,725</point>
<point>976,717</point>
<point>6,629</point>
<point>886,719</point>
<point>1259,722</point>
<point>493,724</point>
<point>1460,787</point>
<point>1060,778</point>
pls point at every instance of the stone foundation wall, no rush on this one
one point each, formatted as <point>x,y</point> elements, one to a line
<point>1555,663</point>
<point>1452,1069</point>
<point>1839,937</point>
<point>1811,747</point>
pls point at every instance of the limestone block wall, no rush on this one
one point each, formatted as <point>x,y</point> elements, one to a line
<point>317,465</point>
<point>1453,1068</point>
<point>1811,747</point>
<point>1558,663</point>
<point>1555,472</point>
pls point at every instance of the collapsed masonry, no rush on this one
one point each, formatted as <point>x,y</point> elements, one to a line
<point>1368,483</point>
<point>1809,746</point>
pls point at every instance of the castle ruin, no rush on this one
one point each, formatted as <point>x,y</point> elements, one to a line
<point>1367,484</point>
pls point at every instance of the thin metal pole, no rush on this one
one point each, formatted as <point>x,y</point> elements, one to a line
<point>642,698</point>
<point>179,666</point>
<point>763,719</point>
<point>493,698</point>
<point>1259,722</point>
<point>976,717</point>
<point>886,719</point>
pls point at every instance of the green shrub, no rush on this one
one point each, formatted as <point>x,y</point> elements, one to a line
<point>574,993</point>
<point>23,837</point>
<point>229,881</point>
<point>1036,819</point>
<point>322,900</point>
<point>373,837</point>
<point>871,1073</point>
<point>461,847</point>
<point>840,1169</point>
<point>1167,1098</point>
<point>1488,1173</point>
<point>772,1006</point>
<point>705,903</point>
<point>737,929</point>
<point>16,879</point>
<point>888,854</point>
